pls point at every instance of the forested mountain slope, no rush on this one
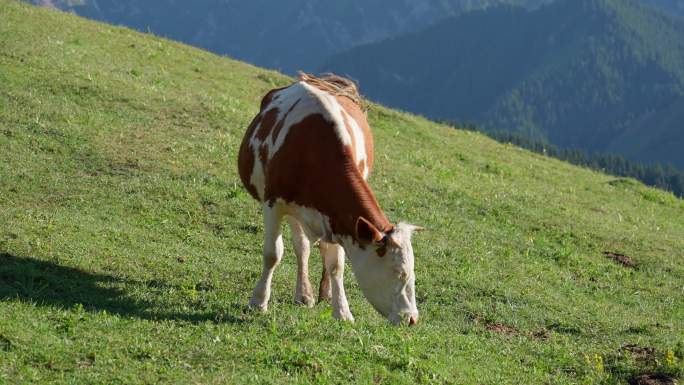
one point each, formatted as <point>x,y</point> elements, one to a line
<point>601,75</point>
<point>675,7</point>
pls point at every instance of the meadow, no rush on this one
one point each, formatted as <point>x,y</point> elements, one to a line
<point>129,248</point>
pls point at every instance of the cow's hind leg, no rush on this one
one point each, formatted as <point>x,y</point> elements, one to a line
<point>302,248</point>
<point>273,253</point>
<point>324,292</point>
<point>334,264</point>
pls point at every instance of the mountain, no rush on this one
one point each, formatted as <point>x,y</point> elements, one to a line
<point>600,75</point>
<point>286,35</point>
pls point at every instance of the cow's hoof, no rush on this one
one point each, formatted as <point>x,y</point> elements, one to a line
<point>306,300</point>
<point>343,315</point>
<point>324,292</point>
<point>258,306</point>
<point>326,297</point>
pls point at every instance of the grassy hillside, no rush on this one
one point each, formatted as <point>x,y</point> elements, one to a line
<point>128,248</point>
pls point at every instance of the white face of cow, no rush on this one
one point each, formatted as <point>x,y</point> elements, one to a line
<point>383,267</point>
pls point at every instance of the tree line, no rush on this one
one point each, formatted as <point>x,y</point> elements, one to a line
<point>666,177</point>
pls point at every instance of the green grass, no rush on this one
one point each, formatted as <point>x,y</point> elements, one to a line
<point>128,247</point>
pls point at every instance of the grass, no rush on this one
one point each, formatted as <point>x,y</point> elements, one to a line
<point>128,247</point>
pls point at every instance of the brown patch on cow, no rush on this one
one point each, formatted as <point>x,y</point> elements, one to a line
<point>281,123</point>
<point>314,169</point>
<point>267,124</point>
<point>246,158</point>
<point>270,95</point>
<point>356,113</point>
<point>652,379</point>
<point>621,258</point>
<point>324,291</point>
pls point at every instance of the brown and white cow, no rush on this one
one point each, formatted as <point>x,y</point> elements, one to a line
<point>306,156</point>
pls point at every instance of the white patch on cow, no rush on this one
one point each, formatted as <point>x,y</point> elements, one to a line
<point>285,99</point>
<point>332,111</point>
<point>360,141</point>
<point>315,224</point>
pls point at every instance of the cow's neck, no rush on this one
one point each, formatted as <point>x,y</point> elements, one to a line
<point>356,200</point>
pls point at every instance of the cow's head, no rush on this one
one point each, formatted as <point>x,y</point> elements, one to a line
<point>383,266</point>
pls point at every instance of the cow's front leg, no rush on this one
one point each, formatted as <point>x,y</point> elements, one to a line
<point>273,253</point>
<point>302,248</point>
<point>334,264</point>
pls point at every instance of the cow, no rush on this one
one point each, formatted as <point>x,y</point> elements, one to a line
<point>306,157</point>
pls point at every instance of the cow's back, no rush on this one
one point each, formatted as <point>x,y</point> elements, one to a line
<point>302,144</point>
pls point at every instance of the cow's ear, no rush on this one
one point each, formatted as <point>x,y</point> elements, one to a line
<point>417,229</point>
<point>407,227</point>
<point>366,233</point>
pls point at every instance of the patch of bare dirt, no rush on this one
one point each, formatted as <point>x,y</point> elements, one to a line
<point>541,334</point>
<point>639,351</point>
<point>646,355</point>
<point>620,258</point>
<point>653,379</point>
<point>503,329</point>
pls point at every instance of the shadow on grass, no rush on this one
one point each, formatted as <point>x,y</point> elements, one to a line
<point>49,284</point>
